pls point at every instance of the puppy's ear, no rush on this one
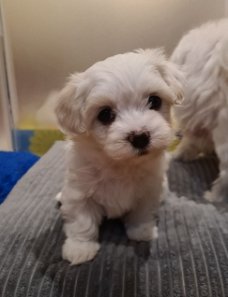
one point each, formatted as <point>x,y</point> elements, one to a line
<point>172,76</point>
<point>174,79</point>
<point>69,107</point>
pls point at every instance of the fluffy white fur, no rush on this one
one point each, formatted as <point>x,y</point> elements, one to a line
<point>106,175</point>
<point>203,117</point>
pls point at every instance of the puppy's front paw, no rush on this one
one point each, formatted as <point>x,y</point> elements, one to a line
<point>143,232</point>
<point>213,197</point>
<point>208,196</point>
<point>77,252</point>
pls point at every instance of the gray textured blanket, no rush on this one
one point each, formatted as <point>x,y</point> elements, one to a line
<point>190,257</point>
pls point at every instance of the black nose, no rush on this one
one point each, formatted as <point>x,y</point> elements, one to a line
<point>139,141</point>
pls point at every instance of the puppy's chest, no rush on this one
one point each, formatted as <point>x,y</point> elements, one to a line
<point>118,194</point>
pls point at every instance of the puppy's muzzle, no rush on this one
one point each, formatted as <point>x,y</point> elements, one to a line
<point>139,140</point>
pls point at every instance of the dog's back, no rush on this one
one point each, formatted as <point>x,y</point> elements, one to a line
<point>201,43</point>
<point>203,56</point>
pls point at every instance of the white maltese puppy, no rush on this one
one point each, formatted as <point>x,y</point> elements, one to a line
<point>117,115</point>
<point>203,118</point>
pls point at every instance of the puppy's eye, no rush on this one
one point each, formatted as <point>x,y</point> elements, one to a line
<point>154,102</point>
<point>106,116</point>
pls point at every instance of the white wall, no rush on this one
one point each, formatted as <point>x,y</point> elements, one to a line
<point>52,38</point>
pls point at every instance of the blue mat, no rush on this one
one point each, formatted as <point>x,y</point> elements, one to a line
<point>12,166</point>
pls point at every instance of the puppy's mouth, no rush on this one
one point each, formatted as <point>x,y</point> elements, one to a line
<point>142,153</point>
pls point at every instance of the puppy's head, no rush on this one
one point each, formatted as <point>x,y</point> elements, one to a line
<point>122,103</point>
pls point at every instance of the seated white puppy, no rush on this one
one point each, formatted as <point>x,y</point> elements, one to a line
<point>203,117</point>
<point>117,115</point>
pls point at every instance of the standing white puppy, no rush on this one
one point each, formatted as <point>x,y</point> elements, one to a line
<point>203,117</point>
<point>117,115</point>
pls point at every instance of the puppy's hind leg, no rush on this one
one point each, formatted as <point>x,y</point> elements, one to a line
<point>219,192</point>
